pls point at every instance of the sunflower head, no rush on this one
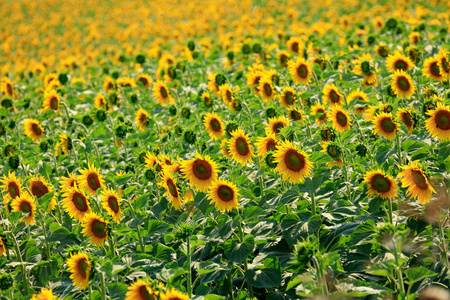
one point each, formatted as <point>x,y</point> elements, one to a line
<point>95,228</point>
<point>25,204</point>
<point>201,171</point>
<point>90,179</point>
<point>381,184</point>
<point>331,95</point>
<point>33,129</point>
<point>80,268</point>
<point>141,290</point>
<point>301,71</point>
<point>332,149</point>
<point>293,164</point>
<point>431,69</point>
<point>223,195</point>
<point>111,201</point>
<point>169,182</point>
<point>438,123</point>
<point>340,119</point>
<point>214,126</point>
<point>417,181</point>
<point>327,133</point>
<point>12,185</point>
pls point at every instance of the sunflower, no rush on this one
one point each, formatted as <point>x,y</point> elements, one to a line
<point>52,101</point>
<point>141,290</point>
<point>6,87</point>
<point>39,187</point>
<point>319,111</point>
<point>207,100</point>
<point>226,92</point>
<point>398,62</point>
<point>406,117</point>
<point>378,22</point>
<point>288,97</point>
<point>370,81</point>
<point>295,44</point>
<point>142,119</point>
<point>381,184</point>
<point>108,84</point>
<point>170,184</point>
<point>224,195</point>
<point>2,248</point>
<point>414,37</point>
<point>12,185</point>
<point>145,79</point>
<point>96,228</point>
<point>68,182</point>
<point>438,124</point>
<point>201,171</point>
<point>267,144</point>
<point>90,179</point>
<point>431,69</point>
<point>417,182</point>
<point>382,50</point>
<point>295,114</point>
<point>45,294</point>
<point>80,269</point>
<point>276,124</point>
<point>162,94</point>
<point>65,144</point>
<point>293,164</point>
<point>76,203</point>
<point>214,126</point>
<point>266,89</point>
<point>360,98</point>
<point>151,161</point>
<point>25,204</point>
<point>331,95</point>
<point>364,67</point>
<point>402,84</point>
<point>384,125</point>
<point>111,202</point>
<point>165,160</point>
<point>300,70</point>
<point>212,86</point>
<point>340,119</point>
<point>100,102</point>
<point>253,79</point>
<point>444,63</point>
<point>283,58</point>
<point>33,129</point>
<point>239,147</point>
<point>224,148</point>
<point>51,80</point>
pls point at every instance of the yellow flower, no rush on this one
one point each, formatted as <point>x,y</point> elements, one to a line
<point>417,182</point>
<point>331,95</point>
<point>319,109</point>
<point>398,62</point>
<point>239,147</point>
<point>384,125</point>
<point>145,79</point>
<point>33,129</point>
<point>293,164</point>
<point>300,70</point>
<point>402,85</point>
<point>142,119</point>
<point>100,102</point>
<point>267,144</point>
<point>201,171</point>
<point>68,182</point>
<point>224,195</point>
<point>266,89</point>
<point>12,185</point>
<point>95,228</point>
<point>39,187</point>
<point>431,69</point>
<point>214,126</point>
<point>52,101</point>
<point>6,87</point>
<point>76,203</point>
<point>141,290</point>
<point>288,97</point>
<point>381,184</point>
<point>80,269</point>
<point>276,124</point>
<point>406,117</point>
<point>162,94</point>
<point>438,124</point>
<point>45,294</point>
<point>25,204</point>
<point>340,119</point>
<point>108,84</point>
<point>170,184</point>
<point>111,202</point>
<point>90,179</point>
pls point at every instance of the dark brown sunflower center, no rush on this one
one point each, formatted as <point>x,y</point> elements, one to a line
<point>80,201</point>
<point>242,146</point>
<point>13,190</point>
<point>36,129</point>
<point>341,119</point>
<point>271,145</point>
<point>267,89</point>
<point>9,89</point>
<point>334,96</point>
<point>400,64</point>
<point>295,47</point>
<point>442,119</point>
<point>113,203</point>
<point>380,183</point>
<point>109,86</point>
<point>407,119</point>
<point>38,189</point>
<point>283,59</point>
<point>144,293</point>
<point>202,169</point>
<point>387,125</point>
<point>403,83</point>
<point>434,69</point>
<point>323,115</point>
<point>302,71</point>
<point>25,207</point>
<point>295,115</point>
<point>277,126</point>
<point>225,193</point>
<point>172,188</point>
<point>143,80</point>
<point>289,98</point>
<point>229,95</point>
<point>419,179</point>
<point>445,65</point>
<point>99,228</point>
<point>93,181</point>
<point>163,92</point>
<point>54,103</point>
<point>83,267</point>
<point>256,82</point>
<point>215,125</point>
<point>294,161</point>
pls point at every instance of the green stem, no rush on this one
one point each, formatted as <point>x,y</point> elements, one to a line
<point>103,287</point>
<point>399,148</point>
<point>112,246</point>
<point>399,271</point>
<point>90,292</point>
<point>141,242</point>
<point>313,202</point>
<point>19,256</point>
<point>391,220</point>
<point>241,239</point>
<point>444,244</point>
<point>188,254</point>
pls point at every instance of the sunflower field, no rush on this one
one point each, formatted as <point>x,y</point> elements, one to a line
<point>174,150</point>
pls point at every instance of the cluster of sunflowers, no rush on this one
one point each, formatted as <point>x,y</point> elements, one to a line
<point>212,150</point>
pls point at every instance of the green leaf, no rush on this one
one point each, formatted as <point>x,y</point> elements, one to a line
<point>266,278</point>
<point>117,290</point>
<point>44,271</point>
<point>33,255</point>
<point>418,273</point>
<point>238,252</point>
<point>141,201</point>
<point>156,226</point>
<point>45,200</point>
<point>211,272</point>
<point>129,189</point>
<point>362,233</point>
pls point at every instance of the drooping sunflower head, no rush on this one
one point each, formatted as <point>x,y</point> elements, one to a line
<point>76,203</point>
<point>398,62</point>
<point>100,102</point>
<point>319,111</point>
<point>152,161</point>
<point>145,80</point>
<point>402,84</point>
<point>64,145</point>
<point>332,96</point>
<point>96,228</point>
<point>301,71</point>
<point>207,100</point>
<point>224,195</point>
<point>360,99</point>
<point>266,89</point>
<point>293,164</point>
<point>111,201</point>
<point>240,147</point>
<point>12,185</point>
<point>227,94</point>
<point>295,114</point>
<point>162,94</point>
<point>80,268</point>
<point>142,119</point>
<point>328,133</point>
<point>438,123</point>
<point>224,149</point>
<point>267,144</point>
<point>407,117</point>
<point>141,290</point>
<point>295,44</point>
<point>288,97</point>
<point>201,171</point>
<point>169,182</point>
<point>90,179</point>
<point>52,101</point>
<point>431,69</point>
<point>212,86</point>
<point>340,119</point>
<point>68,182</point>
<point>381,184</point>
<point>33,129</point>
<point>276,124</point>
<point>332,149</point>
<point>51,80</point>
<point>25,204</point>
<point>382,50</point>
<point>384,125</point>
<point>415,179</point>
<point>214,126</point>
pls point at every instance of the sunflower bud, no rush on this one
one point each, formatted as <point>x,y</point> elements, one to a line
<point>328,134</point>
<point>246,49</point>
<point>230,55</point>
<point>12,124</point>
<point>62,77</point>
<point>9,150</point>
<point>100,115</point>
<point>186,112</point>
<point>361,149</point>
<point>191,45</point>
<point>427,106</point>
<point>391,23</point>
<point>271,112</point>
<point>140,58</point>
<point>303,254</point>
<point>365,67</point>
<point>44,146</point>
<point>133,98</point>
<point>270,160</point>
<point>121,131</point>
<point>257,48</point>
<point>14,162</point>
<point>231,126</point>
<point>334,150</point>
<point>220,79</point>
<point>150,174</point>
<point>172,110</point>
<point>183,231</point>
<point>189,137</point>
<point>178,130</point>
<point>172,72</point>
<point>6,103</point>
<point>87,120</point>
<point>6,281</point>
